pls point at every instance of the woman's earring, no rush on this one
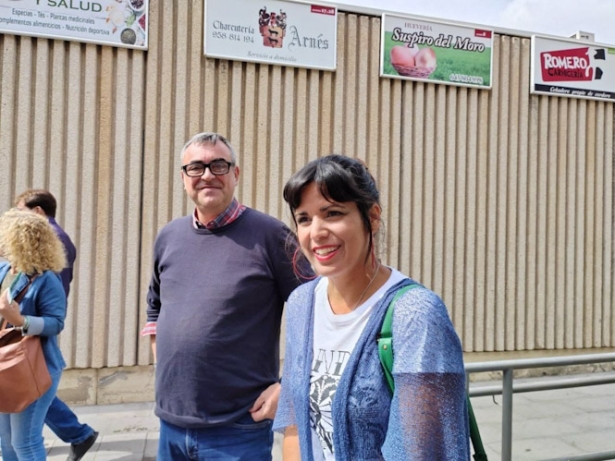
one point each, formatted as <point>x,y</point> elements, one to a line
<point>373,254</point>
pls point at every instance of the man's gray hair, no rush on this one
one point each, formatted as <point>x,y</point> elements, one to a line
<point>210,138</point>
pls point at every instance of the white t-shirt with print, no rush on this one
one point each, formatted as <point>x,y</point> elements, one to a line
<point>335,337</point>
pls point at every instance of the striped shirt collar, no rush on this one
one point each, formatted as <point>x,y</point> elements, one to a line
<point>234,211</point>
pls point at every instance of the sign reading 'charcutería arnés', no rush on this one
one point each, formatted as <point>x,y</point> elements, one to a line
<point>106,22</point>
<point>273,32</point>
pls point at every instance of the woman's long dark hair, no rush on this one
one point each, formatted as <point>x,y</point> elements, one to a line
<point>339,179</point>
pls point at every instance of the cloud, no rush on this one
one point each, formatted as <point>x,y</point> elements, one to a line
<point>553,17</point>
<point>562,17</point>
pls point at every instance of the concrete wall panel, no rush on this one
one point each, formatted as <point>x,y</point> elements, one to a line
<point>500,201</point>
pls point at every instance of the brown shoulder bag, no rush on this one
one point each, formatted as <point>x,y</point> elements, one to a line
<point>24,376</point>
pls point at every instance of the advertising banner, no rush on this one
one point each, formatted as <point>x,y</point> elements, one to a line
<point>273,32</point>
<point>416,49</point>
<point>106,22</point>
<point>572,68</point>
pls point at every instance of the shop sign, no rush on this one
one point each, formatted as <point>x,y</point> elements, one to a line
<point>272,32</point>
<point>106,22</point>
<point>436,52</point>
<point>571,68</point>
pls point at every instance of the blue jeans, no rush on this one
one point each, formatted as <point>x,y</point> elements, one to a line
<point>21,434</point>
<point>243,440</point>
<point>64,423</point>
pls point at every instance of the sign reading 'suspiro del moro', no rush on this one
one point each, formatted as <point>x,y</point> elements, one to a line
<point>412,48</point>
<point>273,32</point>
<point>107,22</point>
<point>563,67</point>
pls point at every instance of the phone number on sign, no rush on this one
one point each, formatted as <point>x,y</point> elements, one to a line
<point>462,78</point>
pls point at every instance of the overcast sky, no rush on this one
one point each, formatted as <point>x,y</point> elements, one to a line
<point>554,17</point>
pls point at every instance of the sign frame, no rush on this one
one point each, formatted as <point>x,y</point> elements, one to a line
<point>64,15</point>
<point>254,32</point>
<point>572,89</point>
<point>421,24</point>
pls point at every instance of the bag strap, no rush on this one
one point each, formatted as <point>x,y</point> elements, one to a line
<point>385,338</point>
<point>385,351</point>
<point>19,297</point>
<point>477,442</point>
<point>24,290</point>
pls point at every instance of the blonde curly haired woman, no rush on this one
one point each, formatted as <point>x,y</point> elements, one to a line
<point>34,253</point>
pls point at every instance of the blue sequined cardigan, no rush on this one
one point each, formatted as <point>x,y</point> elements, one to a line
<point>426,418</point>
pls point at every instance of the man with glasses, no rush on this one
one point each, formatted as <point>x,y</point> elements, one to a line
<point>221,276</point>
<point>60,418</point>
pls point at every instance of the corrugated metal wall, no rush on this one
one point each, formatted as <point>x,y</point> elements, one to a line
<point>500,201</point>
<point>71,121</point>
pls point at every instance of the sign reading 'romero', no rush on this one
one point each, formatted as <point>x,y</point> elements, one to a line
<point>106,22</point>
<point>272,32</point>
<point>570,68</point>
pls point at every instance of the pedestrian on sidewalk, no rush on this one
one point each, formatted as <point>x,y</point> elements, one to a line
<point>33,256</point>
<point>220,278</point>
<point>60,418</point>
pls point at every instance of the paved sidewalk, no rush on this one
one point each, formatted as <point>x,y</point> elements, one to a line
<point>551,424</point>
<point>546,424</point>
<point>128,432</point>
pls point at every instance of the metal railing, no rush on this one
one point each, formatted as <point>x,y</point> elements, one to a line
<point>507,389</point>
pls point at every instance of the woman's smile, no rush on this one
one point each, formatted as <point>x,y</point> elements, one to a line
<point>325,253</point>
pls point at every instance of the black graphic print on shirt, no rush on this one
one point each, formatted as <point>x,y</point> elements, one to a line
<point>327,368</point>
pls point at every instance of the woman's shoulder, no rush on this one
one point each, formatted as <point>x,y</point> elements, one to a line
<point>419,299</point>
<point>48,279</point>
<point>420,308</point>
<point>300,301</point>
<point>302,294</point>
<point>424,333</point>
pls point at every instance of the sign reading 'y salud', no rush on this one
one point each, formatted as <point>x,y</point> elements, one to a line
<point>272,32</point>
<point>106,22</point>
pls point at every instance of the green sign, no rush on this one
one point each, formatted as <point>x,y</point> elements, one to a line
<point>435,52</point>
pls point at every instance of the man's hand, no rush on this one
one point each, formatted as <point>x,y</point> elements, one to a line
<point>266,404</point>
<point>10,311</point>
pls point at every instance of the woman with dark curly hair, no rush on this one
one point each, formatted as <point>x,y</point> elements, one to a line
<point>335,403</point>
<point>33,253</point>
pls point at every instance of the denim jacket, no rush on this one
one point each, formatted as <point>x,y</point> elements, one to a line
<point>45,300</point>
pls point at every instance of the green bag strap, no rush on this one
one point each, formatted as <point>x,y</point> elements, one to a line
<point>477,442</point>
<point>385,351</point>
<point>385,339</point>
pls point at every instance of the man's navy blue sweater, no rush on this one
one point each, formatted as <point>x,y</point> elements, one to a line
<point>217,297</point>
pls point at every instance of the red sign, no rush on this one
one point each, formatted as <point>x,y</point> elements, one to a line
<point>323,10</point>
<point>566,65</point>
<point>482,33</point>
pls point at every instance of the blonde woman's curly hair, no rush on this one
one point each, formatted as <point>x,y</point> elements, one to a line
<point>29,243</point>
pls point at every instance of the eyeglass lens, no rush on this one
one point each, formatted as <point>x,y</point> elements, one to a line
<point>217,167</point>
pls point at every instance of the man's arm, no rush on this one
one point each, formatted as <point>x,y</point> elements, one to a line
<point>152,339</point>
<point>153,308</point>
<point>266,404</point>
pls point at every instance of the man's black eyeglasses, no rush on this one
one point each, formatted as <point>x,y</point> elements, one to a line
<point>217,168</point>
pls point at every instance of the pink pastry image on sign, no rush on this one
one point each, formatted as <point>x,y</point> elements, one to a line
<point>272,27</point>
